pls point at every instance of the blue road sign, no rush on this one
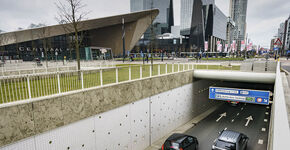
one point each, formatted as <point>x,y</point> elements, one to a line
<point>276,48</point>
<point>239,95</point>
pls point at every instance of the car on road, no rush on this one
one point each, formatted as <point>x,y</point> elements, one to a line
<point>179,141</point>
<point>230,140</point>
<point>233,103</point>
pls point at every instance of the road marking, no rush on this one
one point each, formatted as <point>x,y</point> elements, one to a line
<point>265,120</point>
<point>233,120</point>
<point>242,108</point>
<point>221,115</point>
<point>225,128</point>
<point>260,141</point>
<point>263,129</point>
<point>267,107</point>
<point>238,114</point>
<point>248,120</point>
<point>266,113</point>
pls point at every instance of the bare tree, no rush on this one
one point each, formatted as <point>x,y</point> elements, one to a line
<point>70,14</point>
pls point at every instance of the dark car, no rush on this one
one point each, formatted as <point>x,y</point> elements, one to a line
<point>230,140</point>
<point>179,141</point>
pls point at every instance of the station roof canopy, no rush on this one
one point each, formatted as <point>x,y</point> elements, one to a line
<point>56,30</point>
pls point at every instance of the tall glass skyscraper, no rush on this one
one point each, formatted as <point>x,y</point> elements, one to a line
<point>164,21</point>
<point>238,10</point>
<point>213,18</point>
<point>202,20</point>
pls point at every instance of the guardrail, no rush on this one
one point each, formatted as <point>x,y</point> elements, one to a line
<point>24,68</point>
<point>27,87</point>
<point>279,134</point>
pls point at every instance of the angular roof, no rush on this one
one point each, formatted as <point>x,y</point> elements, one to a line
<point>56,30</point>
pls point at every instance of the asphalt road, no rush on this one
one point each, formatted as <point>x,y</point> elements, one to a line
<point>207,130</point>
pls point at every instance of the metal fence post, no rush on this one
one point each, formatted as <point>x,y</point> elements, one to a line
<point>141,72</point>
<point>117,79</point>
<point>166,68</point>
<point>183,68</point>
<point>101,77</point>
<point>82,78</point>
<point>158,69</point>
<point>58,82</point>
<point>29,89</point>
<point>150,70</point>
<point>130,73</point>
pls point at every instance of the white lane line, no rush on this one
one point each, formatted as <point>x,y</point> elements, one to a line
<point>266,113</point>
<point>263,129</point>
<point>265,120</point>
<point>267,107</point>
<point>242,108</point>
<point>225,128</point>
<point>260,141</point>
<point>238,114</point>
<point>233,120</point>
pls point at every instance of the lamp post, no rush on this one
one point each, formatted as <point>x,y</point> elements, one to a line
<point>123,38</point>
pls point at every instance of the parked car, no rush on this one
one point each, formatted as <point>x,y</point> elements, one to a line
<point>230,140</point>
<point>179,141</point>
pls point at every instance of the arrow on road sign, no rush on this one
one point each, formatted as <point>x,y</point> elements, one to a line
<point>221,115</point>
<point>248,120</point>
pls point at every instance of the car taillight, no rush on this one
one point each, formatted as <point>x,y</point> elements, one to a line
<point>162,147</point>
<point>180,149</point>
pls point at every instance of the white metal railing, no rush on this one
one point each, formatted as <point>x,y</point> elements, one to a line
<point>23,87</point>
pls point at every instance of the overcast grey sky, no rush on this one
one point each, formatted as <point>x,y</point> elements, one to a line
<point>263,19</point>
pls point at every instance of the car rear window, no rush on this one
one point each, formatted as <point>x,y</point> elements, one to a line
<point>226,145</point>
<point>171,145</point>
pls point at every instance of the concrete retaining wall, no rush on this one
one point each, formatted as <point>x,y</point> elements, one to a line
<point>132,126</point>
<point>26,120</point>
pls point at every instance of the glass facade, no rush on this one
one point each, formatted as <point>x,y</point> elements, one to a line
<point>163,22</point>
<point>52,48</point>
<point>200,20</point>
<point>219,24</point>
<point>185,16</point>
<point>239,14</point>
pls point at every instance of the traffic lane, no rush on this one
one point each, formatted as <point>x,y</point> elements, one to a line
<point>207,130</point>
<point>257,128</point>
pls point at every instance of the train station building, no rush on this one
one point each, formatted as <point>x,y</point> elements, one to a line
<point>101,38</point>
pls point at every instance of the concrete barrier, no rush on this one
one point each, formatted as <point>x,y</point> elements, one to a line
<point>259,66</point>
<point>44,114</point>
<point>279,133</point>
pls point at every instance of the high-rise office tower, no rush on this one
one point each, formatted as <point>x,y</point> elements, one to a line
<point>164,21</point>
<point>202,20</point>
<point>238,12</point>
